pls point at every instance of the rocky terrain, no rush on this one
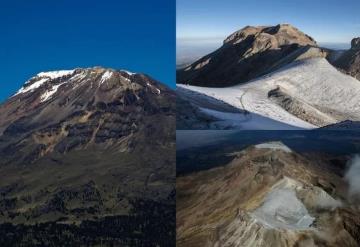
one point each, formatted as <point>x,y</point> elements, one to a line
<point>88,149</point>
<point>250,53</point>
<point>269,195</point>
<point>349,61</point>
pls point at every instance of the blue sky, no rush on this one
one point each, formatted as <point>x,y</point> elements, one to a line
<point>42,35</point>
<point>334,21</point>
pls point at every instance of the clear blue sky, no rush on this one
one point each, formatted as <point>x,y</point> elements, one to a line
<point>42,35</point>
<point>335,21</point>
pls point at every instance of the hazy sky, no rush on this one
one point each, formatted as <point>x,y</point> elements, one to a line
<point>42,35</point>
<point>335,21</point>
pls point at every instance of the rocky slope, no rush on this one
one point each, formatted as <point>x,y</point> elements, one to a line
<point>85,148</point>
<point>349,61</point>
<point>268,195</point>
<point>250,53</point>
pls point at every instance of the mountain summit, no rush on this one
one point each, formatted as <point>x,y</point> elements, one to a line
<point>270,36</point>
<point>250,53</point>
<point>101,105</point>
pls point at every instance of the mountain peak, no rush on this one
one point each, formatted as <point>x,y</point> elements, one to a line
<point>52,80</point>
<point>115,100</point>
<point>248,53</point>
<point>281,34</point>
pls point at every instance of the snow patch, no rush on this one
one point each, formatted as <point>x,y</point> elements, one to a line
<point>105,76</point>
<point>55,74</point>
<point>274,145</point>
<point>128,72</point>
<point>49,93</point>
<point>157,91</point>
<point>282,209</point>
<point>41,78</point>
<point>248,121</point>
<point>78,76</point>
<point>286,205</point>
<point>31,87</point>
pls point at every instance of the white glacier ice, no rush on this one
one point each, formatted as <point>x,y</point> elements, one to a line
<point>55,74</point>
<point>311,81</point>
<point>282,209</point>
<point>106,76</point>
<point>274,145</point>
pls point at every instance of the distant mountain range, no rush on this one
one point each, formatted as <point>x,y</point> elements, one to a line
<point>278,76</point>
<point>88,149</point>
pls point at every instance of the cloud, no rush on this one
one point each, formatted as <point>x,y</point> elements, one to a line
<point>352,176</point>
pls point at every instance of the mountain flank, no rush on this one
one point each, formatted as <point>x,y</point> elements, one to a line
<point>349,61</point>
<point>88,149</point>
<point>250,53</point>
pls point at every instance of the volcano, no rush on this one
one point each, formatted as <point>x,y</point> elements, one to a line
<point>85,149</point>
<point>268,195</point>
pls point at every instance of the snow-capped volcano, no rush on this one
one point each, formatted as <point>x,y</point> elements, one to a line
<point>88,96</point>
<point>308,93</point>
<point>51,81</point>
<point>88,144</point>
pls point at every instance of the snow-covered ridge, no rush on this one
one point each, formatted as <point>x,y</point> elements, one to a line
<point>71,75</point>
<point>316,85</point>
<point>55,74</point>
<point>38,80</point>
<point>32,87</point>
<point>274,145</point>
<point>128,72</point>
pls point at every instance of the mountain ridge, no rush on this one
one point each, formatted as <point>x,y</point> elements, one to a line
<point>250,53</point>
<point>349,61</point>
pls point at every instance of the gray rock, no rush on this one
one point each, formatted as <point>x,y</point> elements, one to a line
<point>355,43</point>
